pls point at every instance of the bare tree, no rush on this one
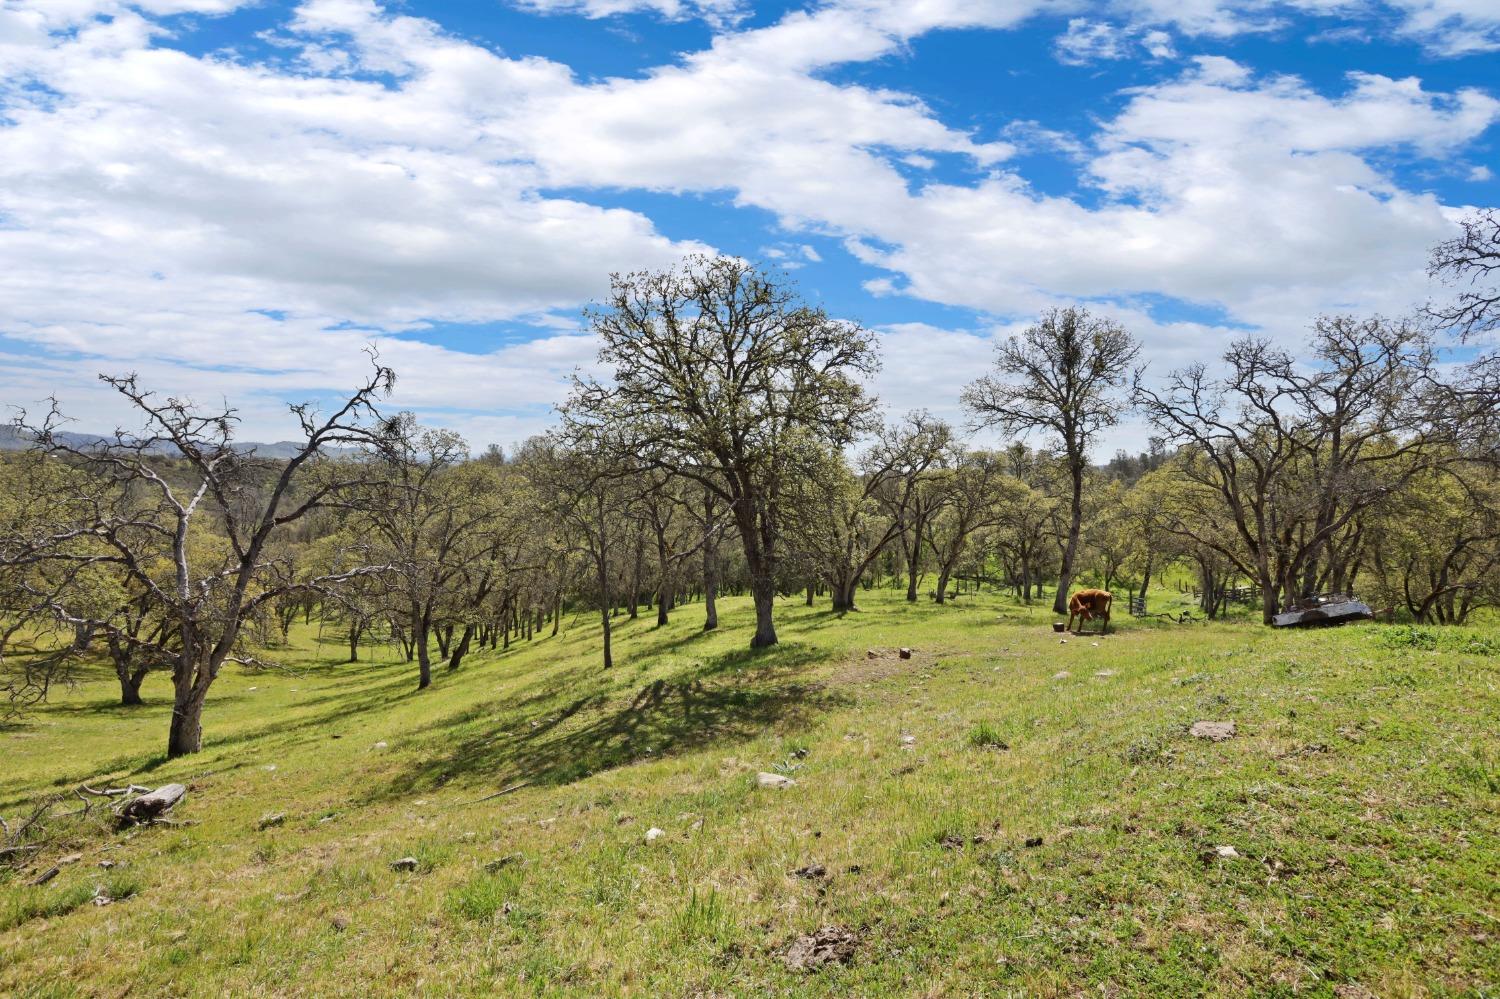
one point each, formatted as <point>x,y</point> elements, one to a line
<point>1059,378</point>
<point>419,514</point>
<point>1276,460</point>
<point>1471,261</point>
<point>920,448</point>
<point>978,493</point>
<point>137,516</point>
<point>722,376</point>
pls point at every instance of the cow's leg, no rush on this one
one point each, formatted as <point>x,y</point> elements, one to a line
<point>1070,621</point>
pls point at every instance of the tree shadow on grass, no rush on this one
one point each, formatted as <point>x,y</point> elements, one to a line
<point>728,699</point>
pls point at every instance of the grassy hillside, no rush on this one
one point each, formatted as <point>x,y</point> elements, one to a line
<point>1002,814</point>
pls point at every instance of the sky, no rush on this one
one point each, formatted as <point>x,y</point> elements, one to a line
<point>234,198</point>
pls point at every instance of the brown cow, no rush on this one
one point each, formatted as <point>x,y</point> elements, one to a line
<point>1089,604</point>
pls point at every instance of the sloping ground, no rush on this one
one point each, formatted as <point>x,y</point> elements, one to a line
<point>1001,814</point>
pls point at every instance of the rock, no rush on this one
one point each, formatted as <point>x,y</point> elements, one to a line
<point>905,653</point>
<point>811,871</point>
<point>829,945</point>
<point>271,819</point>
<point>405,864</point>
<point>1061,674</point>
<point>774,780</point>
<point>697,824</point>
<point>251,688</point>
<point>908,740</point>
<point>1034,841</point>
<point>1214,731</point>
<point>653,834</point>
<point>951,842</point>
<point>1105,672</point>
<point>1062,641</point>
<point>871,654</point>
<point>1094,644</point>
<point>106,864</point>
<point>500,863</point>
<point>381,744</point>
<point>339,923</point>
<point>1226,852</point>
<point>71,858</point>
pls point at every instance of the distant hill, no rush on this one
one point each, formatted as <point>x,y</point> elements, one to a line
<point>13,440</point>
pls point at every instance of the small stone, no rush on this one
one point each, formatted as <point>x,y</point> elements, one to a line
<point>251,688</point>
<point>269,767</point>
<point>774,780</point>
<point>1226,852</point>
<point>1061,674</point>
<point>71,858</point>
<point>697,824</point>
<point>811,871</point>
<point>905,653</point>
<point>829,945</point>
<point>951,842</point>
<point>177,935</point>
<point>871,654</point>
<point>271,819</point>
<point>500,863</point>
<point>908,740</point>
<point>381,744</point>
<point>106,864</point>
<point>1214,731</point>
<point>1034,841</point>
<point>1062,641</point>
<point>653,834</point>
<point>1095,644</point>
<point>1105,672</point>
<point>339,923</point>
<point>405,864</point>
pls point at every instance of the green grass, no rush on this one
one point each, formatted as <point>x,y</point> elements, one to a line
<point>1360,795</point>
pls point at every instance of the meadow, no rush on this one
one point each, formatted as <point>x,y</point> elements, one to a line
<point>1004,813</point>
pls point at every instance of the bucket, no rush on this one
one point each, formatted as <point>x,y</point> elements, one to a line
<point>1058,627</point>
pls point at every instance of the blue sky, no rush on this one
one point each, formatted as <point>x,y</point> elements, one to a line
<point>232,197</point>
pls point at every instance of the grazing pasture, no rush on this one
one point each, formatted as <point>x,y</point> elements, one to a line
<point>1003,813</point>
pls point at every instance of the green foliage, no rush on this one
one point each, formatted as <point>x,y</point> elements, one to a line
<point>986,735</point>
<point>1079,860</point>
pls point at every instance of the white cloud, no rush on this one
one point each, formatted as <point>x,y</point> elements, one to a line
<point>388,174</point>
<point>716,12</point>
<point>1254,195</point>
<point>1088,41</point>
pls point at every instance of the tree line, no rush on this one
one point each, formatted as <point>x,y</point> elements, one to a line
<point>732,446</point>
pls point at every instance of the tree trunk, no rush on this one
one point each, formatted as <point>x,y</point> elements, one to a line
<point>940,595</point>
<point>763,590</point>
<point>913,554</point>
<point>843,594</point>
<point>461,649</point>
<point>130,686</point>
<point>1075,527</point>
<point>710,586</point>
<point>424,657</point>
<point>185,734</point>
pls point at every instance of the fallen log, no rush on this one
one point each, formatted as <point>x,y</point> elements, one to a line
<point>150,806</point>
